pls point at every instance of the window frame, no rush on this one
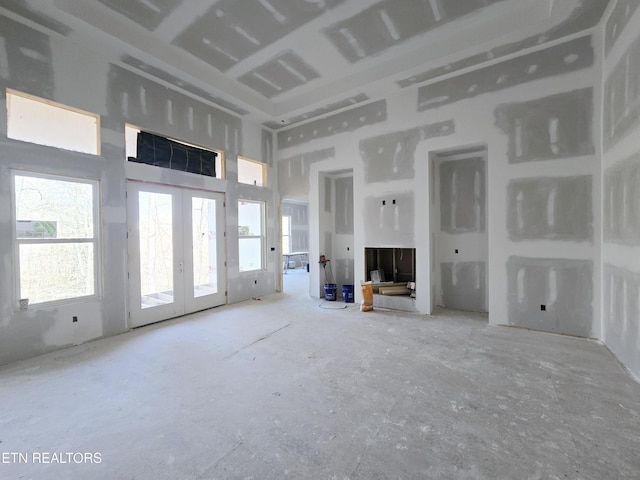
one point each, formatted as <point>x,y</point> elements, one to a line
<point>9,92</point>
<point>95,240</point>
<point>262,165</point>
<point>262,236</point>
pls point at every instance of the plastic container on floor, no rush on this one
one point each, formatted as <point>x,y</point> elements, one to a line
<point>347,293</point>
<point>330,291</point>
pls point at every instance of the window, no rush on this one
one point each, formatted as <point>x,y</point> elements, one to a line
<point>252,172</point>
<point>286,234</point>
<point>171,153</point>
<point>35,120</point>
<point>56,233</point>
<point>251,243</point>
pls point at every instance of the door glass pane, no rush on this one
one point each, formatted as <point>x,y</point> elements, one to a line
<point>205,268</point>
<point>156,248</point>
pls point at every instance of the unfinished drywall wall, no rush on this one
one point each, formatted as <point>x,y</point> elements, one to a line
<point>293,172</point>
<point>390,22</point>
<point>622,96</point>
<point>335,230</point>
<point>389,220</point>
<point>182,84</point>
<point>550,208</point>
<point>147,14</point>
<point>390,160</point>
<point>621,178</point>
<point>554,295</point>
<point>267,147</point>
<point>299,214</point>
<point>279,75</point>
<point>392,156</point>
<point>622,202</point>
<point>25,59</point>
<point>347,121</point>
<point>40,65</point>
<point>621,313</point>
<point>618,19</point>
<point>558,126</point>
<point>586,14</point>
<point>25,10</point>
<point>343,187</point>
<point>343,252</point>
<point>56,68</point>
<point>463,195</point>
<point>141,102</point>
<point>339,105</point>
<point>464,285</point>
<point>458,231</point>
<point>557,60</point>
<point>231,31</point>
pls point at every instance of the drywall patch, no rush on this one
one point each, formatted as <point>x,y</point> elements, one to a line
<point>147,106</point>
<point>621,215</point>
<point>361,97</point>
<point>144,13</point>
<point>343,271</point>
<point>180,83</point>
<point>389,219</point>
<point>464,285</point>
<point>586,15</point>
<point>279,75</point>
<point>230,31</point>
<point>617,22</point>
<point>328,194</point>
<point>463,195</point>
<point>563,286</point>
<point>293,172</point>
<point>622,96</point>
<point>621,313</point>
<point>344,205</point>
<point>267,147</point>
<point>557,60</point>
<point>25,59</point>
<point>298,213</point>
<point>558,126</point>
<point>391,22</point>
<point>392,156</point>
<point>346,121</point>
<point>22,8</point>
<point>551,208</point>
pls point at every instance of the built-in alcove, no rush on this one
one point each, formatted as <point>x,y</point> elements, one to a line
<point>390,270</point>
<point>398,265</point>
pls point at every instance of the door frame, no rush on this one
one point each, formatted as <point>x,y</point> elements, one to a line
<point>181,209</point>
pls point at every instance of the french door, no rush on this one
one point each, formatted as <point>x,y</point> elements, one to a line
<point>176,251</point>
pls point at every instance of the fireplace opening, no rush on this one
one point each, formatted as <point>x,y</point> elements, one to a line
<point>392,271</point>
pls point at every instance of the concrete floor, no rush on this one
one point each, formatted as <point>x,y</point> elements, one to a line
<point>280,388</point>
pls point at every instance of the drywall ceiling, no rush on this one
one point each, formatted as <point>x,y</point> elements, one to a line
<point>281,62</point>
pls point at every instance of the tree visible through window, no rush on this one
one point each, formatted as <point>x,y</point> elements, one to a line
<point>56,236</point>
<point>251,243</point>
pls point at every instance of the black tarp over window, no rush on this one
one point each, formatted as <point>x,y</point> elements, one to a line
<point>162,152</point>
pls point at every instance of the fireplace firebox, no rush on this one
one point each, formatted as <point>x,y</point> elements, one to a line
<point>395,265</point>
